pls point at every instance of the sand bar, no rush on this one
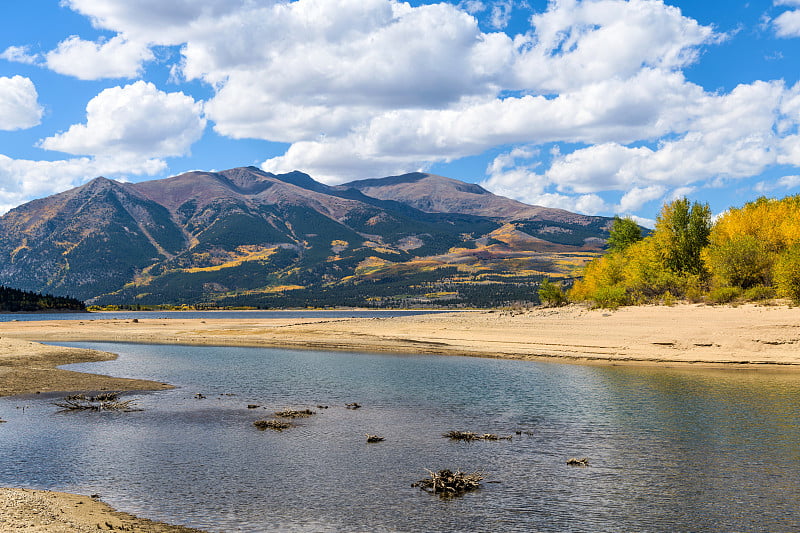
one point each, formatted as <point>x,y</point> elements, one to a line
<point>656,335</point>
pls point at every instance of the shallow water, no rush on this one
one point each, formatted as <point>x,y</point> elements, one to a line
<point>669,450</point>
<point>279,313</point>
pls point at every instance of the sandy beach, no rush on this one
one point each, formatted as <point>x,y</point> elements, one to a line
<point>743,337</point>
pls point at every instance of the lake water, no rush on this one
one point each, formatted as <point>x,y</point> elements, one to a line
<point>279,313</point>
<point>669,450</point>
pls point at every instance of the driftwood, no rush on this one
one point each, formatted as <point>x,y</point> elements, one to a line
<point>277,425</point>
<point>446,483</point>
<point>583,461</point>
<point>374,438</point>
<point>107,401</point>
<point>290,413</point>
<point>468,436</point>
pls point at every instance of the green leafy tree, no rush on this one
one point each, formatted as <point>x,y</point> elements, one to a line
<point>681,233</point>
<point>550,294</point>
<point>623,233</point>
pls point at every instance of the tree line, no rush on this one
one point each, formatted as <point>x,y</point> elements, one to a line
<point>749,253</point>
<point>14,300</point>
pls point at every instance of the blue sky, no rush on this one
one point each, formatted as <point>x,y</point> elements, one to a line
<point>597,106</point>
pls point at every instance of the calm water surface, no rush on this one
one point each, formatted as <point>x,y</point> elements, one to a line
<point>670,450</point>
<point>127,315</point>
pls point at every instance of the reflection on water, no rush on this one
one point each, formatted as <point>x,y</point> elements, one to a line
<point>669,450</point>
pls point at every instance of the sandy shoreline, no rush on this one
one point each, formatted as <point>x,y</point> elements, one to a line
<point>57,512</point>
<point>656,335</point>
<point>746,337</point>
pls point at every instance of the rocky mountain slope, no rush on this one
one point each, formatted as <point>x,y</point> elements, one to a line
<point>248,237</point>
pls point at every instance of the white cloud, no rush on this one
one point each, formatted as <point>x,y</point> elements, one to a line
<point>472,6</point>
<point>785,182</point>
<point>20,54</point>
<point>787,24</point>
<point>638,196</point>
<point>646,222</point>
<point>133,121</point>
<point>575,43</point>
<point>501,13</point>
<point>87,60</point>
<point>729,136</point>
<point>159,21</point>
<point>513,174</point>
<point>335,66</point>
<point>19,106</point>
<point>789,182</point>
<point>362,88</point>
<point>682,192</point>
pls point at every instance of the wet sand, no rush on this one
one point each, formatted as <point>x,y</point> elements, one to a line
<point>29,367</point>
<point>746,337</point>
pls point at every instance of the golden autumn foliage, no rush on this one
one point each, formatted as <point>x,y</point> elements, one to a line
<point>752,252</point>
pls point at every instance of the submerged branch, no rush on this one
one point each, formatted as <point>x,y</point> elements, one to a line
<point>107,401</point>
<point>446,483</point>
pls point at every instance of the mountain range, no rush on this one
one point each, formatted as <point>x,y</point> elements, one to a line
<point>245,237</point>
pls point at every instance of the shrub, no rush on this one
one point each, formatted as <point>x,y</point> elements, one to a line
<point>668,299</point>
<point>694,289</point>
<point>724,295</point>
<point>610,297</point>
<point>759,293</point>
<point>787,274</point>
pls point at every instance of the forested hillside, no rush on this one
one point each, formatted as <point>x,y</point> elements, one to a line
<point>13,300</point>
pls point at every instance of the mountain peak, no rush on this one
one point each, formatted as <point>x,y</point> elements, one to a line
<point>242,234</point>
<point>431,182</point>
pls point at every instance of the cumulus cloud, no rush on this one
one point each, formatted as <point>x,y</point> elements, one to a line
<point>19,105</point>
<point>731,136</point>
<point>20,54</point>
<point>158,21</point>
<point>360,88</point>
<point>87,60</point>
<point>787,24</point>
<point>137,120</point>
<point>635,198</point>
<point>513,174</point>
